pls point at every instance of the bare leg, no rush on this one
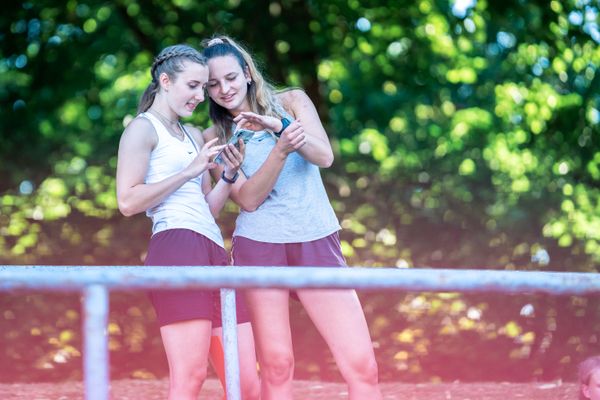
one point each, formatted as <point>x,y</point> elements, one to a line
<point>216,356</point>
<point>186,344</point>
<point>339,318</point>
<point>271,325</point>
<point>250,386</point>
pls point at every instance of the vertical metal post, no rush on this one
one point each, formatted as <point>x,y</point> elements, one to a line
<point>95,353</point>
<point>230,344</point>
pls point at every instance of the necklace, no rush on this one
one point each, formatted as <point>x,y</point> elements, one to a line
<point>168,124</point>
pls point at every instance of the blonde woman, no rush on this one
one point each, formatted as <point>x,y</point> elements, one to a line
<point>285,220</point>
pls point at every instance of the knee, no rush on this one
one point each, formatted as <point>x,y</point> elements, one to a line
<point>364,371</point>
<point>189,382</point>
<point>368,372</point>
<point>251,391</point>
<point>277,368</point>
<point>250,386</point>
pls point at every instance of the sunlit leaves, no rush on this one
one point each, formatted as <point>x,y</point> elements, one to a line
<point>398,124</point>
<point>373,142</point>
<point>462,140</point>
<point>580,219</point>
<point>470,120</point>
<point>462,75</point>
<point>436,29</point>
<point>467,167</point>
<point>435,105</point>
<point>593,167</point>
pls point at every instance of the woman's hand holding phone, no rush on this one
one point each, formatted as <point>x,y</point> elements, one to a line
<point>233,156</point>
<point>202,161</point>
<point>238,138</point>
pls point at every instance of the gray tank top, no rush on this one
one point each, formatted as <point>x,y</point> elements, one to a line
<point>296,210</point>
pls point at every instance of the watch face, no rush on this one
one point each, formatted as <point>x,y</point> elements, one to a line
<point>284,124</point>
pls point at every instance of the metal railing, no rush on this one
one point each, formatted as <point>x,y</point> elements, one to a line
<point>96,281</point>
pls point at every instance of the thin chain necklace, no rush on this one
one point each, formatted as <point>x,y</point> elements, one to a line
<point>169,124</point>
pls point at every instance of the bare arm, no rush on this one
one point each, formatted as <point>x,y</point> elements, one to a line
<point>137,142</point>
<point>217,195</point>
<point>251,193</point>
<point>317,148</point>
<point>308,137</point>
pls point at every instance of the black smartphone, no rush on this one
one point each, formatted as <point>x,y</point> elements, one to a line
<point>244,134</point>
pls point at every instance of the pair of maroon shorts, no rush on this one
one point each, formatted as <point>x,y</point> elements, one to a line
<point>324,252</point>
<point>184,247</point>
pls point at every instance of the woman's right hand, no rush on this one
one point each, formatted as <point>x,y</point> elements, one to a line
<point>292,139</point>
<point>202,161</point>
<point>256,122</point>
<point>233,158</point>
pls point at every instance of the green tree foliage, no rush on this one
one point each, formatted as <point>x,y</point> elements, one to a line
<point>466,136</point>
<point>476,131</point>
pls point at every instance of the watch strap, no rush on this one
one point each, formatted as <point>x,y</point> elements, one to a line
<point>284,124</point>
<point>228,180</point>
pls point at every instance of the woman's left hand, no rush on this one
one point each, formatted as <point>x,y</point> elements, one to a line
<point>233,158</point>
<point>257,122</point>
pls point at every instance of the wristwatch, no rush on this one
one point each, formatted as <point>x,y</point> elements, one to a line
<point>228,180</point>
<point>284,124</point>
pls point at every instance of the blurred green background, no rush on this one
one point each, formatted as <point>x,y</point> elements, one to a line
<point>466,136</point>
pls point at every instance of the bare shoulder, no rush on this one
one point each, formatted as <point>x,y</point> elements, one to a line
<point>292,97</point>
<point>140,131</point>
<point>295,101</point>
<point>138,124</point>
<point>196,133</point>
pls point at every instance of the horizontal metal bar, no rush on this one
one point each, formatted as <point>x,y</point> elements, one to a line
<point>413,279</point>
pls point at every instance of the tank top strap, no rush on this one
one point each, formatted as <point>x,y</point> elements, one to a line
<point>191,138</point>
<point>160,129</point>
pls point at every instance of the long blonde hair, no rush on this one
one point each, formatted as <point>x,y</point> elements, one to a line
<point>261,94</point>
<point>168,61</point>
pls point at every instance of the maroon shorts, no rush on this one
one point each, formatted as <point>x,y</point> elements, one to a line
<point>324,252</point>
<point>183,247</point>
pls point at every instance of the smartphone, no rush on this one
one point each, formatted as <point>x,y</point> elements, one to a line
<point>243,134</point>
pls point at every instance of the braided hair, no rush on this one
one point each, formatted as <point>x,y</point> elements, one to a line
<point>169,61</point>
<point>261,94</point>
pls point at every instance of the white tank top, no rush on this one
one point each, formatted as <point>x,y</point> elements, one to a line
<point>185,208</point>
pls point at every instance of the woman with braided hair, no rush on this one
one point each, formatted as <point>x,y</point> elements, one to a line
<point>162,170</point>
<point>286,219</point>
